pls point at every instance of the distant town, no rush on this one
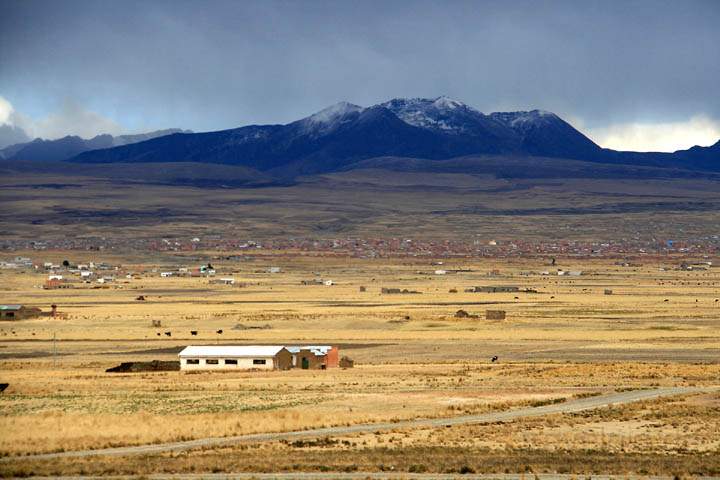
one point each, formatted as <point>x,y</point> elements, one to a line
<point>385,247</point>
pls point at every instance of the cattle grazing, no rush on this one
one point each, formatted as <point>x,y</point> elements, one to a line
<point>193,332</point>
<point>494,359</point>
<point>219,332</point>
<point>168,334</point>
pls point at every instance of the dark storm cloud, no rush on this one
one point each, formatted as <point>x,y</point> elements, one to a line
<point>210,64</point>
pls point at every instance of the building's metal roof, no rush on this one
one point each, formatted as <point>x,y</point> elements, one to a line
<point>318,350</point>
<point>10,307</point>
<point>231,351</point>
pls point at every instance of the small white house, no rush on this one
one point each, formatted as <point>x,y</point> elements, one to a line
<point>166,274</point>
<point>235,357</point>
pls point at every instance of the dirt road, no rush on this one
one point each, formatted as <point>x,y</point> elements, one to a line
<point>378,476</point>
<point>565,407</point>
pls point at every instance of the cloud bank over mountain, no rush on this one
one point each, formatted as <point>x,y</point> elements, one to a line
<point>208,67</point>
<point>71,119</point>
<point>700,130</point>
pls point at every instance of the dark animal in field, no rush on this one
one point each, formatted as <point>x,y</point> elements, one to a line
<point>193,332</point>
<point>168,334</point>
<point>158,334</point>
<point>141,298</point>
<point>3,386</point>
<point>219,332</point>
<point>666,300</point>
<point>494,359</point>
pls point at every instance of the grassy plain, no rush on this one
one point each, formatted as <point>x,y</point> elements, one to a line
<point>413,359</point>
<point>367,203</point>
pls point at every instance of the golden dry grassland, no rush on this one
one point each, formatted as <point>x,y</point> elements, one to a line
<point>413,359</point>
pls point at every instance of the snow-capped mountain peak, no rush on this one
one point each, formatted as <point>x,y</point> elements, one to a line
<point>524,118</point>
<point>442,113</point>
<point>331,117</point>
<point>333,112</point>
<point>445,102</point>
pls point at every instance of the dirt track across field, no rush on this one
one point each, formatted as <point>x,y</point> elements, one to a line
<point>375,476</point>
<point>571,406</point>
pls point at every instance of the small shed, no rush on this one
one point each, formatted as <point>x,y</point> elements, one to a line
<point>235,357</point>
<point>495,314</point>
<point>347,362</point>
<point>497,289</point>
<point>18,312</point>
<point>55,283</point>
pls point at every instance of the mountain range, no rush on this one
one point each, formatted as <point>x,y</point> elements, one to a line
<point>436,135</point>
<point>69,146</point>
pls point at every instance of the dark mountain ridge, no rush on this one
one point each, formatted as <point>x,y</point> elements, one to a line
<point>341,136</point>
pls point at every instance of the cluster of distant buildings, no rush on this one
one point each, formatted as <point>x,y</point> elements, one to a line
<point>469,247</point>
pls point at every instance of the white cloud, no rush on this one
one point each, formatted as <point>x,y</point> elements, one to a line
<point>6,109</point>
<point>658,137</point>
<point>71,119</point>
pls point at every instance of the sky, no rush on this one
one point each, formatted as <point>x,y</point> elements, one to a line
<point>632,75</point>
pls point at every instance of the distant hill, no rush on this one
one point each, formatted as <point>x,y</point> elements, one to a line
<point>70,146</point>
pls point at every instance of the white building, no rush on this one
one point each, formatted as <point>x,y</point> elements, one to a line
<point>235,357</point>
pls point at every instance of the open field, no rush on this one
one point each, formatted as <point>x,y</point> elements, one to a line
<point>414,359</point>
<point>367,202</point>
